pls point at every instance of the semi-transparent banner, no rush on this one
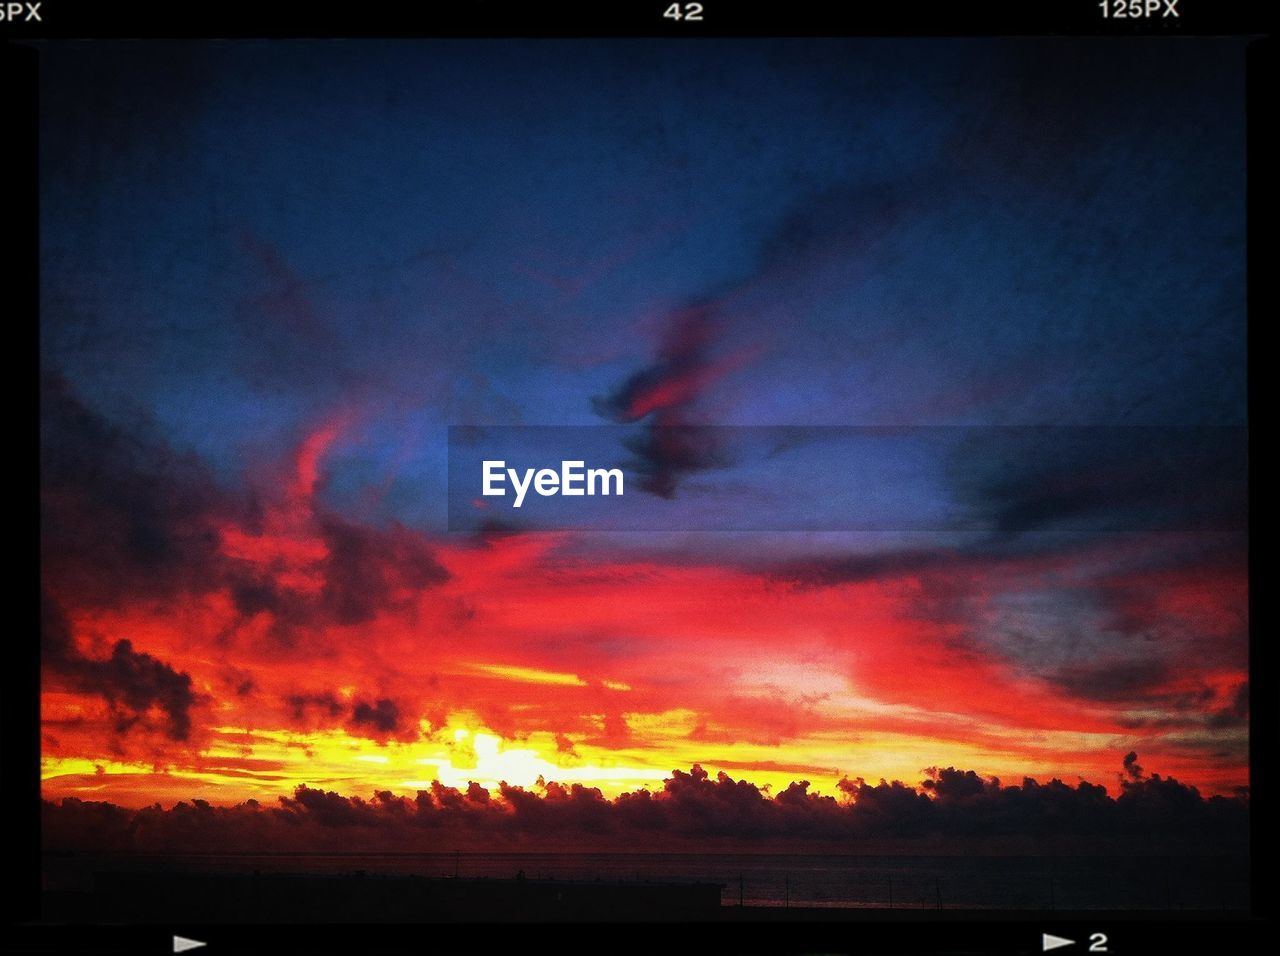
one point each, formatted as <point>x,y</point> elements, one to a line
<point>1003,480</point>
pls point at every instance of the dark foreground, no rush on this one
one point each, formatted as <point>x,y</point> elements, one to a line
<point>261,898</point>
<point>361,898</point>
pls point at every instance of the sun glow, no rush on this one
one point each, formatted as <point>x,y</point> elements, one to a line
<point>263,764</point>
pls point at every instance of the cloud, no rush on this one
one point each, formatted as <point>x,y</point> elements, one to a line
<point>1236,712</point>
<point>681,370</point>
<point>1113,680</point>
<point>382,716</point>
<point>344,574</point>
<point>691,805</point>
<point>1132,770</point>
<point>827,571</point>
<point>368,570</point>
<point>1151,625</point>
<point>380,719</point>
<point>155,576</point>
<point>130,682</point>
<point>666,454</point>
<point>1017,480</point>
<point>122,516</point>
<point>670,448</point>
<point>132,529</point>
<point>305,707</point>
<point>126,518</point>
<point>894,809</point>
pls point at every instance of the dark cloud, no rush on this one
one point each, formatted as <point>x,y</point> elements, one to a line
<point>670,448</point>
<point>1152,687</point>
<point>1236,712</point>
<point>368,570</point>
<point>842,223</point>
<point>957,785</point>
<point>966,554</point>
<point>1154,804</point>
<point>306,707</point>
<point>327,809</point>
<point>130,682</point>
<point>1103,618</point>
<point>855,568</point>
<point>1115,680</point>
<point>365,571</point>
<point>894,809</point>
<point>691,805</point>
<point>122,517</point>
<point>667,454</point>
<point>1132,769</point>
<point>382,716</point>
<point>1016,480</point>
<point>675,377</point>
<point>380,719</point>
<point>125,519</point>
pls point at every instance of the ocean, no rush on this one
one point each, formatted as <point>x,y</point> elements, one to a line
<point>798,880</point>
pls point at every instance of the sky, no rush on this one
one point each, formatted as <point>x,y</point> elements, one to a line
<point>925,361</point>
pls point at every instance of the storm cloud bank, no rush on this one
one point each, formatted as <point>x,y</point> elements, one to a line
<point>691,806</point>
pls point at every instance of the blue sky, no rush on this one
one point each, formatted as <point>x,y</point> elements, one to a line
<point>240,239</point>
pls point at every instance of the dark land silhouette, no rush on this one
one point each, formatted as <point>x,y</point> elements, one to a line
<point>159,896</point>
<point>365,898</point>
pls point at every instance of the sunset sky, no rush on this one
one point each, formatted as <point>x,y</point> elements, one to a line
<point>275,274</point>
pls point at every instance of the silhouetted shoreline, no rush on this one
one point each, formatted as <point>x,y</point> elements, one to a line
<point>211,897</point>
<point>139,896</point>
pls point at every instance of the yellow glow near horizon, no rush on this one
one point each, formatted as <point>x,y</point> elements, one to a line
<point>242,762</point>
<point>60,766</point>
<point>527,675</point>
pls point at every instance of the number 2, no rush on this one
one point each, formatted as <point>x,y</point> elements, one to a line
<point>1099,941</point>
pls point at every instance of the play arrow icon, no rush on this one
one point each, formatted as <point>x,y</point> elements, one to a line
<point>181,944</point>
<point>1054,942</point>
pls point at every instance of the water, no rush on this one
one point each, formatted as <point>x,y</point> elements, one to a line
<point>911,882</point>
